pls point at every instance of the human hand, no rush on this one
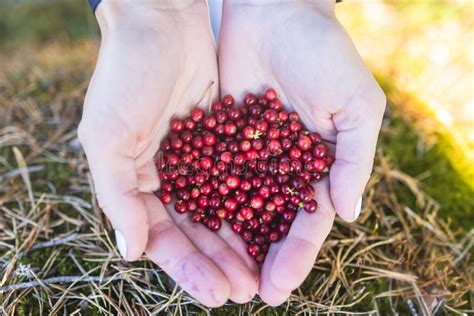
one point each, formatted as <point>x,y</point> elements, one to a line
<point>301,50</point>
<point>156,60</point>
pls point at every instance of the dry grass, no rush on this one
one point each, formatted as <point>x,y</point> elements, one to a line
<point>57,255</point>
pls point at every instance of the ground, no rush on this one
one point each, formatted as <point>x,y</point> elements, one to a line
<point>409,253</point>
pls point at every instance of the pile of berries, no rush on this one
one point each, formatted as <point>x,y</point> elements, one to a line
<point>249,165</point>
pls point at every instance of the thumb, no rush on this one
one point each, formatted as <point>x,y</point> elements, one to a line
<point>113,170</point>
<point>358,126</point>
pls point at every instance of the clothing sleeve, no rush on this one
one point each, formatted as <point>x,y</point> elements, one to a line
<point>93,4</point>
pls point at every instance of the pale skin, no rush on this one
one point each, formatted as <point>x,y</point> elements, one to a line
<point>156,61</point>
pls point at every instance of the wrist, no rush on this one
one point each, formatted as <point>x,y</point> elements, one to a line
<point>114,15</point>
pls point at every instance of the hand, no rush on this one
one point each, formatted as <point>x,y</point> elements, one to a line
<point>301,50</point>
<point>156,60</point>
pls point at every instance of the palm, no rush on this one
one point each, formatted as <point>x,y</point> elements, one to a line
<point>141,80</point>
<point>308,58</point>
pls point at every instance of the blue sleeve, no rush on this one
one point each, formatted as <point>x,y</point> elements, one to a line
<point>94,4</point>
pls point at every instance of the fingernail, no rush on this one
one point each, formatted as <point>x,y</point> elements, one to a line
<point>121,243</point>
<point>358,208</point>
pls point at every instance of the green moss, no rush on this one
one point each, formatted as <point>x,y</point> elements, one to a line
<point>444,183</point>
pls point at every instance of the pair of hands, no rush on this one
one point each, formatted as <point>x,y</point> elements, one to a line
<point>156,61</point>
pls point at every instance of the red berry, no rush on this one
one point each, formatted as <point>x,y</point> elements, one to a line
<point>262,126</point>
<point>234,114</point>
<point>233,182</point>
<point>189,124</point>
<point>274,236</point>
<point>230,128</point>
<point>271,116</point>
<point>165,197</point>
<point>230,204</point>
<point>274,146</point>
<point>284,228</point>
<point>270,94</point>
<point>315,137</point>
<point>217,106</point>
<point>319,165</point>
<point>273,133</point>
<point>237,227</point>
<point>248,132</point>
<point>245,145</point>
<point>320,150</point>
<point>283,116</point>
<point>228,100</point>
<point>177,125</point>
<point>253,250</point>
<point>256,202</point>
<point>214,224</point>
<point>304,142</point>
<point>223,189</point>
<point>209,139</point>
<point>197,114</point>
<point>294,117</point>
<point>294,126</point>
<point>250,99</point>
<point>311,206</point>
<point>181,207</point>
<point>210,122</point>
<point>246,213</point>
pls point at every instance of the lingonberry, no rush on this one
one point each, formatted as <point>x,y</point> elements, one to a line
<point>210,122</point>
<point>165,197</point>
<point>256,202</point>
<point>197,114</point>
<point>181,207</point>
<point>237,227</point>
<point>271,116</point>
<point>270,94</point>
<point>294,117</point>
<point>214,224</point>
<point>233,182</point>
<point>217,106</point>
<point>261,126</point>
<point>319,150</point>
<point>253,250</point>
<point>274,236</point>
<point>304,142</point>
<point>274,146</point>
<point>273,133</point>
<point>246,213</point>
<point>245,145</point>
<point>230,128</point>
<point>311,206</point>
<point>228,100</point>
<point>294,126</point>
<point>221,117</point>
<point>247,235</point>
<point>223,189</point>
<point>177,125</point>
<point>189,124</point>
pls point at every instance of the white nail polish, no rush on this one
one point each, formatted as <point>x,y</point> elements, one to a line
<point>358,208</point>
<point>121,243</point>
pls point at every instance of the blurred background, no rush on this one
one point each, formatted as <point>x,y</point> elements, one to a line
<point>422,54</point>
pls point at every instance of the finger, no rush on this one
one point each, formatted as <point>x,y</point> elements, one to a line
<point>243,284</point>
<point>268,292</point>
<point>181,260</point>
<point>358,126</point>
<point>115,180</point>
<point>306,236</point>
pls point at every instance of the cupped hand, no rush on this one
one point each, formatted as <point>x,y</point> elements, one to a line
<point>300,49</point>
<point>156,60</point>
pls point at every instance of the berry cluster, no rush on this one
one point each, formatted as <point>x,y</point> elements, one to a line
<point>250,166</point>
